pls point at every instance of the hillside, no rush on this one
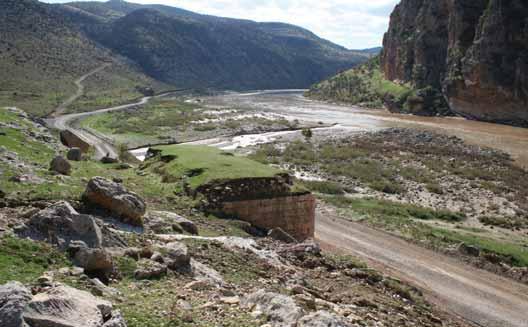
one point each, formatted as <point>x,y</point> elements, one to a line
<point>188,49</point>
<point>42,53</point>
<point>469,58</point>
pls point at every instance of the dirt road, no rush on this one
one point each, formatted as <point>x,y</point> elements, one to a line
<point>80,90</point>
<point>475,295</point>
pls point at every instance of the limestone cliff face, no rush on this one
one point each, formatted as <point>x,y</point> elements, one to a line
<point>474,51</point>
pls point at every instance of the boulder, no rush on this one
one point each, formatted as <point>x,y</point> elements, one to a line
<point>175,255</point>
<point>164,221</point>
<point>117,320</point>
<point>64,306</point>
<point>321,319</point>
<point>60,165</point>
<point>74,154</point>
<point>13,299</point>
<point>71,140</point>
<point>148,269</point>
<point>468,250</point>
<point>116,199</point>
<point>2,194</point>
<point>278,309</point>
<point>61,224</point>
<point>95,262</point>
<point>109,160</point>
<point>280,235</point>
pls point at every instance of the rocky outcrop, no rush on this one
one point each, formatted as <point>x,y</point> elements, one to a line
<point>161,222</point>
<point>474,52</point>
<point>116,199</point>
<point>55,306</point>
<point>61,224</point>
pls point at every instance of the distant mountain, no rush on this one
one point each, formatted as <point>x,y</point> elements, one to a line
<point>371,51</point>
<point>42,52</point>
<point>189,49</point>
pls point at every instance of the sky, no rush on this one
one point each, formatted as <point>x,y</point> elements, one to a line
<point>355,24</point>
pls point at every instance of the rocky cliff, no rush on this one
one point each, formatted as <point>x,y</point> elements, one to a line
<point>474,51</point>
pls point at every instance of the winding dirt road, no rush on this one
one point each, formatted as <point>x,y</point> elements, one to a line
<point>80,89</point>
<point>478,296</point>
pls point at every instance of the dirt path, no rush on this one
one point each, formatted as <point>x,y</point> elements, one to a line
<point>475,295</point>
<point>80,90</point>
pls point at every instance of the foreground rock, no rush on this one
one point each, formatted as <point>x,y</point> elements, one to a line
<point>57,306</point>
<point>13,299</point>
<point>116,199</point>
<point>60,165</point>
<point>95,262</point>
<point>61,224</point>
<point>279,310</point>
<point>71,140</point>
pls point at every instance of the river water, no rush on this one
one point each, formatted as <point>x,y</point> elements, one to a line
<point>293,105</point>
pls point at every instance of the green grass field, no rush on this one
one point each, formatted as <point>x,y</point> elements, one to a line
<point>203,164</point>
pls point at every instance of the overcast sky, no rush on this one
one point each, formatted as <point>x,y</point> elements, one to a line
<point>355,24</point>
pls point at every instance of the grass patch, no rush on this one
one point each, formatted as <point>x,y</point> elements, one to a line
<point>515,254</point>
<point>202,164</point>
<point>25,260</point>
<point>389,210</point>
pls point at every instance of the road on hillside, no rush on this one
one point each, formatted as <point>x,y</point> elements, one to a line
<point>102,145</point>
<point>478,296</point>
<point>80,89</point>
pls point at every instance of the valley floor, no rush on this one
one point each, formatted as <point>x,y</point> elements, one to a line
<point>386,195</point>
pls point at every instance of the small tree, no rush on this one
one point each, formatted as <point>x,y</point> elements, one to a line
<point>307,133</point>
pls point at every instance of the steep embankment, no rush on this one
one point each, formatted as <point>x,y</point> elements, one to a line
<point>468,56</point>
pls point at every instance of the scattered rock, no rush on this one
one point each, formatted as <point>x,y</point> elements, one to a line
<point>124,166</point>
<point>13,299</point>
<point>60,165</point>
<point>321,319</point>
<point>279,310</point>
<point>148,269</point>
<point>468,250</point>
<point>74,154</point>
<point>109,160</point>
<point>198,285</point>
<point>231,300</point>
<point>117,320</point>
<point>95,262</point>
<point>60,224</point>
<point>2,194</point>
<point>64,306</point>
<point>202,272</point>
<point>280,235</point>
<point>164,221</point>
<point>176,255</point>
<point>115,198</point>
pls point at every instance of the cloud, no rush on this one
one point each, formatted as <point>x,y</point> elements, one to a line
<point>354,24</point>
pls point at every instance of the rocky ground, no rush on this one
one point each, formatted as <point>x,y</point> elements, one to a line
<point>127,249</point>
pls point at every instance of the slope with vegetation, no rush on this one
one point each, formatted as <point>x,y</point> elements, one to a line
<point>42,52</point>
<point>221,279</point>
<point>190,49</point>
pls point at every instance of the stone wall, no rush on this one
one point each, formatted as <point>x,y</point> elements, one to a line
<point>294,213</point>
<point>71,140</point>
